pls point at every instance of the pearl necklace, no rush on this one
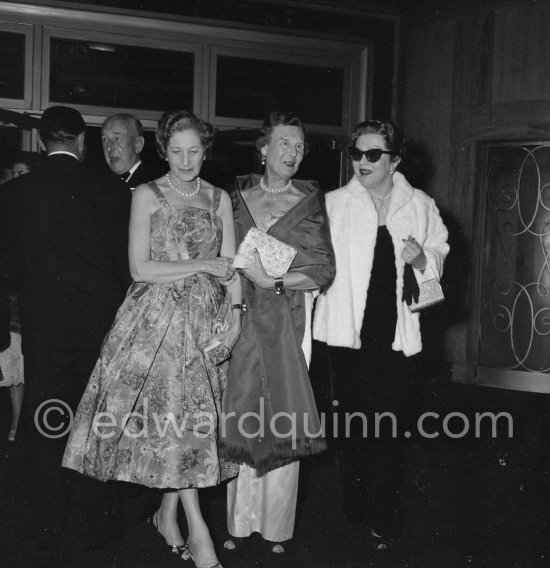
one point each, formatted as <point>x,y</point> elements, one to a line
<point>182,193</point>
<point>383,208</point>
<point>285,187</point>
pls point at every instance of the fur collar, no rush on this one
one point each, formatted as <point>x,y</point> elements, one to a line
<point>402,192</point>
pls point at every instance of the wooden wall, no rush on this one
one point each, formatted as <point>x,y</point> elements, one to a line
<point>472,72</point>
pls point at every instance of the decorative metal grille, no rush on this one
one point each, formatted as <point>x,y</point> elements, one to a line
<point>515,309</point>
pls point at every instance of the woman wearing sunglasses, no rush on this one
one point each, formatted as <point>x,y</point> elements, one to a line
<point>384,232</point>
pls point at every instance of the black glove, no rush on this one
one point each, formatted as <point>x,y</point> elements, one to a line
<point>411,291</point>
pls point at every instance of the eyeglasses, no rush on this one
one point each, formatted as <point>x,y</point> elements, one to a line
<point>372,155</point>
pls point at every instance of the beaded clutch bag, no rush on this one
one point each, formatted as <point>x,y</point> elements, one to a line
<point>276,256</point>
<point>430,294</point>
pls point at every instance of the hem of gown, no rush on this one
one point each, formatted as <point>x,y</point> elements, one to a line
<point>105,479</point>
<point>282,454</point>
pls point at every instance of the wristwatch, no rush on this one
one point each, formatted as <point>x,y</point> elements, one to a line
<point>278,285</point>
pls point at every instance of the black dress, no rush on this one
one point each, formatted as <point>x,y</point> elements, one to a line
<point>370,380</point>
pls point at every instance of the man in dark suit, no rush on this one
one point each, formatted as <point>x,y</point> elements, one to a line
<point>63,242</point>
<point>122,140</point>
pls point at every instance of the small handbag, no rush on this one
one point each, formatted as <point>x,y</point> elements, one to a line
<point>212,349</point>
<point>430,293</point>
<point>276,256</point>
<point>215,352</point>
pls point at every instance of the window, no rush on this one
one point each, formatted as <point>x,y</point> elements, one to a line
<point>246,84</point>
<point>12,63</point>
<point>93,73</point>
<point>249,88</point>
<point>16,42</point>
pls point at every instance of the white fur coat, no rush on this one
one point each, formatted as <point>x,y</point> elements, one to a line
<point>354,225</point>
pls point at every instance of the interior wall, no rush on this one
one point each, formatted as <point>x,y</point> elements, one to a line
<point>472,72</point>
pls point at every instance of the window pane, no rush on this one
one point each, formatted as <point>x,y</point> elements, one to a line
<point>113,75</point>
<point>12,63</point>
<point>250,88</point>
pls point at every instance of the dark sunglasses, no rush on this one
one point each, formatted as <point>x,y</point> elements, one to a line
<point>372,155</point>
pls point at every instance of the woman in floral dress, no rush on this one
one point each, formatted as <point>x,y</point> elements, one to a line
<point>150,411</point>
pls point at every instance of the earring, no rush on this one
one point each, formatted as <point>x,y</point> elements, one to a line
<point>263,159</point>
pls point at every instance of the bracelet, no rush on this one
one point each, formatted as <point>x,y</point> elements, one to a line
<point>241,307</point>
<point>279,286</point>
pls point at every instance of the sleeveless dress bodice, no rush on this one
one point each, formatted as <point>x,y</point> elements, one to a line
<point>191,229</point>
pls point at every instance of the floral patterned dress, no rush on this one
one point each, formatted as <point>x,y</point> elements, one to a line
<point>149,414</point>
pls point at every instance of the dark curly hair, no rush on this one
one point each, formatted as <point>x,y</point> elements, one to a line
<point>273,119</point>
<point>387,129</point>
<point>177,121</point>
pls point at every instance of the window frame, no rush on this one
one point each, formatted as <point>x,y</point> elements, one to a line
<point>291,55</point>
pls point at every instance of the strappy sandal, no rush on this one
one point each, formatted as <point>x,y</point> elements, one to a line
<point>178,549</point>
<point>199,563</point>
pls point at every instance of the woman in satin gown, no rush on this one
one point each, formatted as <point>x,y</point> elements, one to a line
<point>150,413</point>
<point>268,372</point>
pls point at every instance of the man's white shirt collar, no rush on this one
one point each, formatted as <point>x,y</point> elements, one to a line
<point>63,152</point>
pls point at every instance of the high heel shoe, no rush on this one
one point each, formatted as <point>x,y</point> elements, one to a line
<point>191,554</point>
<point>382,544</point>
<point>174,548</point>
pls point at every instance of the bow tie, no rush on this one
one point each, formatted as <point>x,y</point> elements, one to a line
<point>125,176</point>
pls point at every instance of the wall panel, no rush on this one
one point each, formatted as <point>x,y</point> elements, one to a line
<point>498,77</point>
<point>427,109</point>
<point>521,56</point>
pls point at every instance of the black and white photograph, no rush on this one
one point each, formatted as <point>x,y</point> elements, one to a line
<point>274,284</point>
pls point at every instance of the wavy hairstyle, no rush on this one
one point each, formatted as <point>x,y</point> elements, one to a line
<point>387,129</point>
<point>277,118</point>
<point>177,121</point>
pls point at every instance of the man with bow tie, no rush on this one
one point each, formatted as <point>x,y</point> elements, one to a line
<point>122,140</point>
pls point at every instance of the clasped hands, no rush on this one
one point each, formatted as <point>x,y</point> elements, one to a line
<point>413,253</point>
<point>222,267</point>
